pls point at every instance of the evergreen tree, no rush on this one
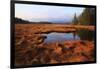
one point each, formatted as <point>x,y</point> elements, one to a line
<point>87,17</point>
<point>75,20</point>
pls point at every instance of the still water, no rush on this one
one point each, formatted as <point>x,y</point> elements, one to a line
<point>79,35</point>
<point>60,37</point>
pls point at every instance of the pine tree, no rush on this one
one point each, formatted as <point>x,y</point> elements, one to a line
<point>87,17</point>
<point>75,20</point>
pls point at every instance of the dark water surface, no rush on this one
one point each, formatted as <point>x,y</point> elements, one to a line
<point>60,37</point>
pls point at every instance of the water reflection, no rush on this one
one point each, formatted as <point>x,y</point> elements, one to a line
<point>59,37</point>
<point>86,34</point>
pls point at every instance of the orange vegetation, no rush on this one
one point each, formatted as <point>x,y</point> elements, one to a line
<point>30,49</point>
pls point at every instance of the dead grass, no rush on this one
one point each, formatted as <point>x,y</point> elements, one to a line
<point>30,49</point>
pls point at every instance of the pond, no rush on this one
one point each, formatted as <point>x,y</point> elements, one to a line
<point>60,37</point>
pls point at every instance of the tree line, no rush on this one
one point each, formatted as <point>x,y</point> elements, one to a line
<point>87,17</point>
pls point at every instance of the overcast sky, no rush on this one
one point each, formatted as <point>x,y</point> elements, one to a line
<point>38,13</point>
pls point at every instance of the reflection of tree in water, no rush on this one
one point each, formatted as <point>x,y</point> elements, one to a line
<point>74,35</point>
<point>86,34</point>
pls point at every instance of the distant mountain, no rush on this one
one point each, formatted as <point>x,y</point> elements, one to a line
<point>19,20</point>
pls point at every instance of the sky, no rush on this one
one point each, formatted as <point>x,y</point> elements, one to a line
<point>45,13</point>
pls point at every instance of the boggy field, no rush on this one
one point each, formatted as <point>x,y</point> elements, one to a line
<point>30,48</point>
